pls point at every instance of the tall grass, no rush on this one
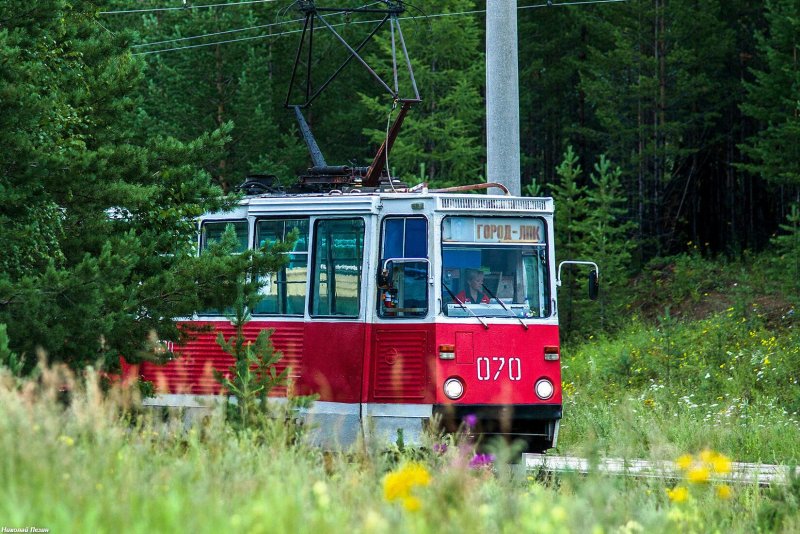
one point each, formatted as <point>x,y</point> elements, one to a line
<point>76,459</point>
<point>716,367</point>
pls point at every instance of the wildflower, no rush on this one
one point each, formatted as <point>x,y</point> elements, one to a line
<point>721,464</point>
<point>698,475</point>
<point>320,490</point>
<point>559,514</point>
<point>471,420</point>
<point>66,440</point>
<point>398,485</point>
<point>482,460</point>
<point>412,504</point>
<point>374,522</point>
<point>684,462</point>
<point>724,492</point>
<point>440,448</point>
<point>678,494</point>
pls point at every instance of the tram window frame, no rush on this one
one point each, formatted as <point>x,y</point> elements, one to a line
<point>204,239</point>
<point>463,249</point>
<point>392,297</point>
<point>205,242</point>
<point>315,308</point>
<point>282,299</point>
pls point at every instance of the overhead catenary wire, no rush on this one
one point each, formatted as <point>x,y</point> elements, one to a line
<point>238,30</point>
<point>187,47</point>
<point>435,15</point>
<point>183,7</point>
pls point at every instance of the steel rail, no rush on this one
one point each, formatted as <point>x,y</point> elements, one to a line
<point>741,472</point>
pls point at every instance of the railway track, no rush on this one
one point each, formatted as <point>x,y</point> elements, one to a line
<point>740,472</point>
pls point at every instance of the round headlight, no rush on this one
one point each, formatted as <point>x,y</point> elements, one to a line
<point>453,388</point>
<point>544,389</point>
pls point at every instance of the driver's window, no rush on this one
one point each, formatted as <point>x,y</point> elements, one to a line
<point>403,269</point>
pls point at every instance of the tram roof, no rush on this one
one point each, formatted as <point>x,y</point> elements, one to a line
<point>374,202</point>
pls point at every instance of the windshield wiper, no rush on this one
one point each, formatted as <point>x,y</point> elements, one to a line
<point>504,306</point>
<point>486,326</point>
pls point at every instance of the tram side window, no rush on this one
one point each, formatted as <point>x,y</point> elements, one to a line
<point>403,285</point>
<point>211,232</point>
<point>284,292</point>
<point>336,278</point>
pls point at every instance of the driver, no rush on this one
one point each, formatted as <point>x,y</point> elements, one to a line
<point>474,292</point>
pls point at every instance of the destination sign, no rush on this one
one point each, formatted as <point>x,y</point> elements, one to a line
<point>493,230</point>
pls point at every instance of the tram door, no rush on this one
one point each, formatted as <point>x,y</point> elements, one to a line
<point>398,376</point>
<point>333,348</point>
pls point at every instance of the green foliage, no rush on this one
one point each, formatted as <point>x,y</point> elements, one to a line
<point>443,132</point>
<point>77,461</point>
<point>253,375</point>
<point>591,224</point>
<point>787,248</point>
<point>772,97</point>
<point>205,88</point>
<point>533,189</point>
<point>607,238</point>
<point>98,217</point>
<point>571,211</point>
<point>779,510</point>
<point>712,362</point>
<point>9,360</point>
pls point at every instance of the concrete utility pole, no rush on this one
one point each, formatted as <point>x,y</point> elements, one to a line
<point>502,94</point>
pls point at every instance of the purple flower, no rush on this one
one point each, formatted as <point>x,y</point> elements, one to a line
<point>482,460</point>
<point>440,448</point>
<point>471,420</point>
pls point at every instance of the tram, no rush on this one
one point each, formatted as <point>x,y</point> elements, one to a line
<point>396,307</point>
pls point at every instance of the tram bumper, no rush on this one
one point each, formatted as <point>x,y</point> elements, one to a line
<point>536,424</point>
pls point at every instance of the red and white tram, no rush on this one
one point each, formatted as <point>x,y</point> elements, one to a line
<point>370,313</point>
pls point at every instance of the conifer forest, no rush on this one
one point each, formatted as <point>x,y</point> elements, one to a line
<point>666,132</point>
<point>659,126</point>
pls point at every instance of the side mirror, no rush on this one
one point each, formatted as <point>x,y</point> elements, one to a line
<point>594,285</point>
<point>594,275</point>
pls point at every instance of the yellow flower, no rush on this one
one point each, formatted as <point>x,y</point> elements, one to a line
<point>698,475</point>
<point>684,462</point>
<point>66,440</point>
<point>678,494</point>
<point>412,504</point>
<point>708,456</point>
<point>721,464</point>
<point>724,492</point>
<point>397,485</point>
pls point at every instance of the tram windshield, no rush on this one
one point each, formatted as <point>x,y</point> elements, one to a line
<point>495,267</point>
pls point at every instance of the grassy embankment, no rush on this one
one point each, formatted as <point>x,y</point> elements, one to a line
<point>656,390</point>
<point>710,358</point>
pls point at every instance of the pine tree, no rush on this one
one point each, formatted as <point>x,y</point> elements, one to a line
<point>98,219</point>
<point>772,97</point>
<point>608,236</point>
<point>570,213</point>
<point>552,104</point>
<point>787,247</point>
<point>658,87</point>
<point>254,374</point>
<point>221,84</point>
